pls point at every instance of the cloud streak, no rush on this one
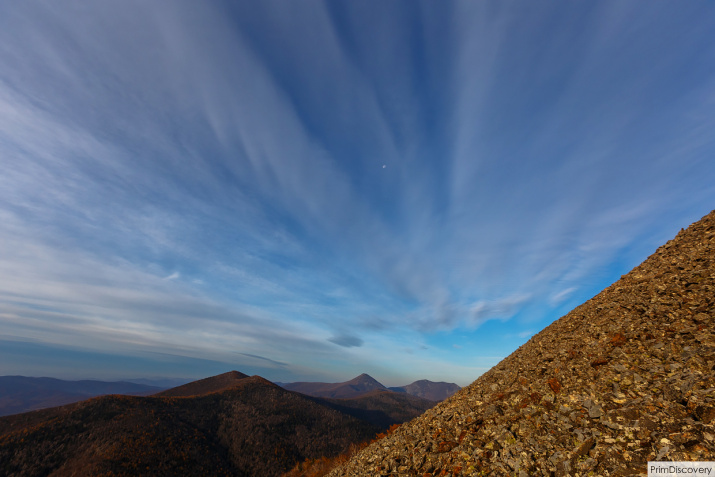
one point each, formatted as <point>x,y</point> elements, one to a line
<point>346,341</point>
<point>209,180</point>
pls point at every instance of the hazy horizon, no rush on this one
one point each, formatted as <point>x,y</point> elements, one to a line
<point>313,190</point>
<point>164,382</point>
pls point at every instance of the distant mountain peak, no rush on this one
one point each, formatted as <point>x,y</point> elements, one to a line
<point>364,384</point>
<point>357,386</point>
<point>206,385</point>
<point>233,374</point>
<point>367,380</point>
<point>426,389</point>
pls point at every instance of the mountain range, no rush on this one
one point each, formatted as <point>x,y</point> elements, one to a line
<point>21,394</point>
<point>230,424</point>
<point>432,391</point>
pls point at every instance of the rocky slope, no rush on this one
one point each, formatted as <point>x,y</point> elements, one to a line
<point>627,377</point>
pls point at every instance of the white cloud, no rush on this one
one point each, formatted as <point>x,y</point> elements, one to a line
<point>559,297</point>
<point>502,308</point>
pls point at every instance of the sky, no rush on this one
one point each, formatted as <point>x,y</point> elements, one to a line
<point>312,190</point>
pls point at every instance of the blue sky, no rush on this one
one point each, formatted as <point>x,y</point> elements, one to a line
<point>312,190</point>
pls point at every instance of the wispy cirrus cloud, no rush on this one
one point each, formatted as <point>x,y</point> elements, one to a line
<point>346,341</point>
<point>263,358</point>
<point>213,182</point>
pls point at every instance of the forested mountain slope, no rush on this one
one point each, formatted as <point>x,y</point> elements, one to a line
<point>251,428</point>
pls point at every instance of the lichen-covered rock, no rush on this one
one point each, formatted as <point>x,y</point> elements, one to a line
<point>627,377</point>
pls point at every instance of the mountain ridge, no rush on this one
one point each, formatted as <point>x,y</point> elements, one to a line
<point>229,424</point>
<point>251,427</point>
<point>423,388</point>
<point>381,408</point>
<point>364,383</point>
<point>355,387</point>
<point>23,393</point>
<point>205,386</point>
